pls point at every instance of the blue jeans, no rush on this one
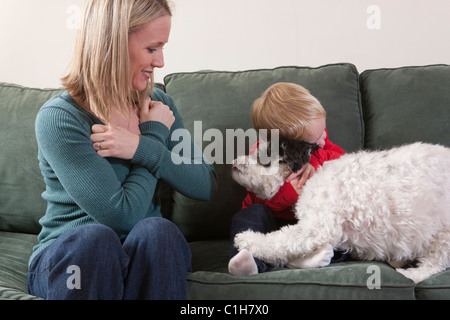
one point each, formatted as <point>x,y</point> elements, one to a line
<point>91,263</point>
<point>259,218</point>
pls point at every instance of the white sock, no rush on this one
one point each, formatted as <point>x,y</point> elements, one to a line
<point>242,264</point>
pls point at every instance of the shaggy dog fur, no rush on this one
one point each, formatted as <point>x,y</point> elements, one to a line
<point>391,206</point>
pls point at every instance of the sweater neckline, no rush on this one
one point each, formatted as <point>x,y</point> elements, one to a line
<point>66,96</point>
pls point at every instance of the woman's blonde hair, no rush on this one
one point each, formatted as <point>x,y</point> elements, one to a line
<point>288,107</point>
<point>99,73</point>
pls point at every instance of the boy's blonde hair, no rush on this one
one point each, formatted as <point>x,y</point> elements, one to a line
<point>99,73</point>
<point>288,107</point>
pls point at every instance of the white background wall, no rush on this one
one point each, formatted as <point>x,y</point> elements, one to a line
<point>37,36</point>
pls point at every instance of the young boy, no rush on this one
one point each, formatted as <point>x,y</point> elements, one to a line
<point>297,115</point>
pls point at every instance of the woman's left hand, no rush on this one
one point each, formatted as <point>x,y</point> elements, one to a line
<point>114,142</point>
<point>156,111</point>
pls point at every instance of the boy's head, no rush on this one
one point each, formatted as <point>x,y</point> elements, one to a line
<point>292,110</point>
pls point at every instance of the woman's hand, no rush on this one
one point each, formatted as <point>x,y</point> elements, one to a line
<point>114,142</point>
<point>156,111</point>
<point>298,179</point>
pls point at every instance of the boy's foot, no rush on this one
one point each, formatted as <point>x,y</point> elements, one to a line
<point>242,264</point>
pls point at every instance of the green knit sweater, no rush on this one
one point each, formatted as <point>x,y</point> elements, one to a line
<point>83,188</point>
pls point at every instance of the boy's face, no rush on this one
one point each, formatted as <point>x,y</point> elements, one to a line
<point>318,133</point>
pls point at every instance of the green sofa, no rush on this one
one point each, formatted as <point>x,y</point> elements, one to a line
<point>373,110</point>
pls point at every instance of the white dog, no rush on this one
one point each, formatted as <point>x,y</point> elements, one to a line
<point>391,206</point>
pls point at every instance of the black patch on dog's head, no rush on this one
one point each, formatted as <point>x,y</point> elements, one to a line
<point>296,153</point>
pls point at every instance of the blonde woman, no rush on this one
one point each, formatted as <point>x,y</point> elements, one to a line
<point>103,146</point>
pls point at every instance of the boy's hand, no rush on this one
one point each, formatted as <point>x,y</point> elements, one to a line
<point>298,179</point>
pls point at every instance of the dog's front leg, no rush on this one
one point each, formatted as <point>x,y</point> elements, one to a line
<point>279,247</point>
<point>267,247</point>
<point>316,259</point>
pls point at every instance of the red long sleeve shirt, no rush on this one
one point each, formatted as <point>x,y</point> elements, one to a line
<point>282,202</point>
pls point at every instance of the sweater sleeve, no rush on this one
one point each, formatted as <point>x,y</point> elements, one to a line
<point>179,162</point>
<point>329,151</point>
<point>282,200</point>
<point>87,179</point>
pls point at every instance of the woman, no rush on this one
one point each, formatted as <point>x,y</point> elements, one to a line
<point>103,146</point>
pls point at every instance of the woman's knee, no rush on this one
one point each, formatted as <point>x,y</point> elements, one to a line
<point>156,231</point>
<point>157,237</point>
<point>93,235</point>
<point>156,227</point>
<point>91,253</point>
<point>90,241</point>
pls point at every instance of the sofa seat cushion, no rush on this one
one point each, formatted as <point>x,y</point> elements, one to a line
<point>15,250</point>
<point>436,287</point>
<point>348,280</point>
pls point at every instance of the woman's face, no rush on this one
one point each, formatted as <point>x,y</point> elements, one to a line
<point>145,47</point>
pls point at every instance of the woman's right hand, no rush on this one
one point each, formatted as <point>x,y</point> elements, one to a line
<point>156,111</point>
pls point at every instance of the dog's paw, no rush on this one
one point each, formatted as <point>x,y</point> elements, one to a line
<point>317,259</point>
<point>415,274</point>
<point>421,272</point>
<point>247,240</point>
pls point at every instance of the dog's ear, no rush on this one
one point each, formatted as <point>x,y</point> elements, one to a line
<point>296,153</point>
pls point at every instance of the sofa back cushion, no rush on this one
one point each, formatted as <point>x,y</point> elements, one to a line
<point>21,183</point>
<point>406,105</point>
<point>223,100</point>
